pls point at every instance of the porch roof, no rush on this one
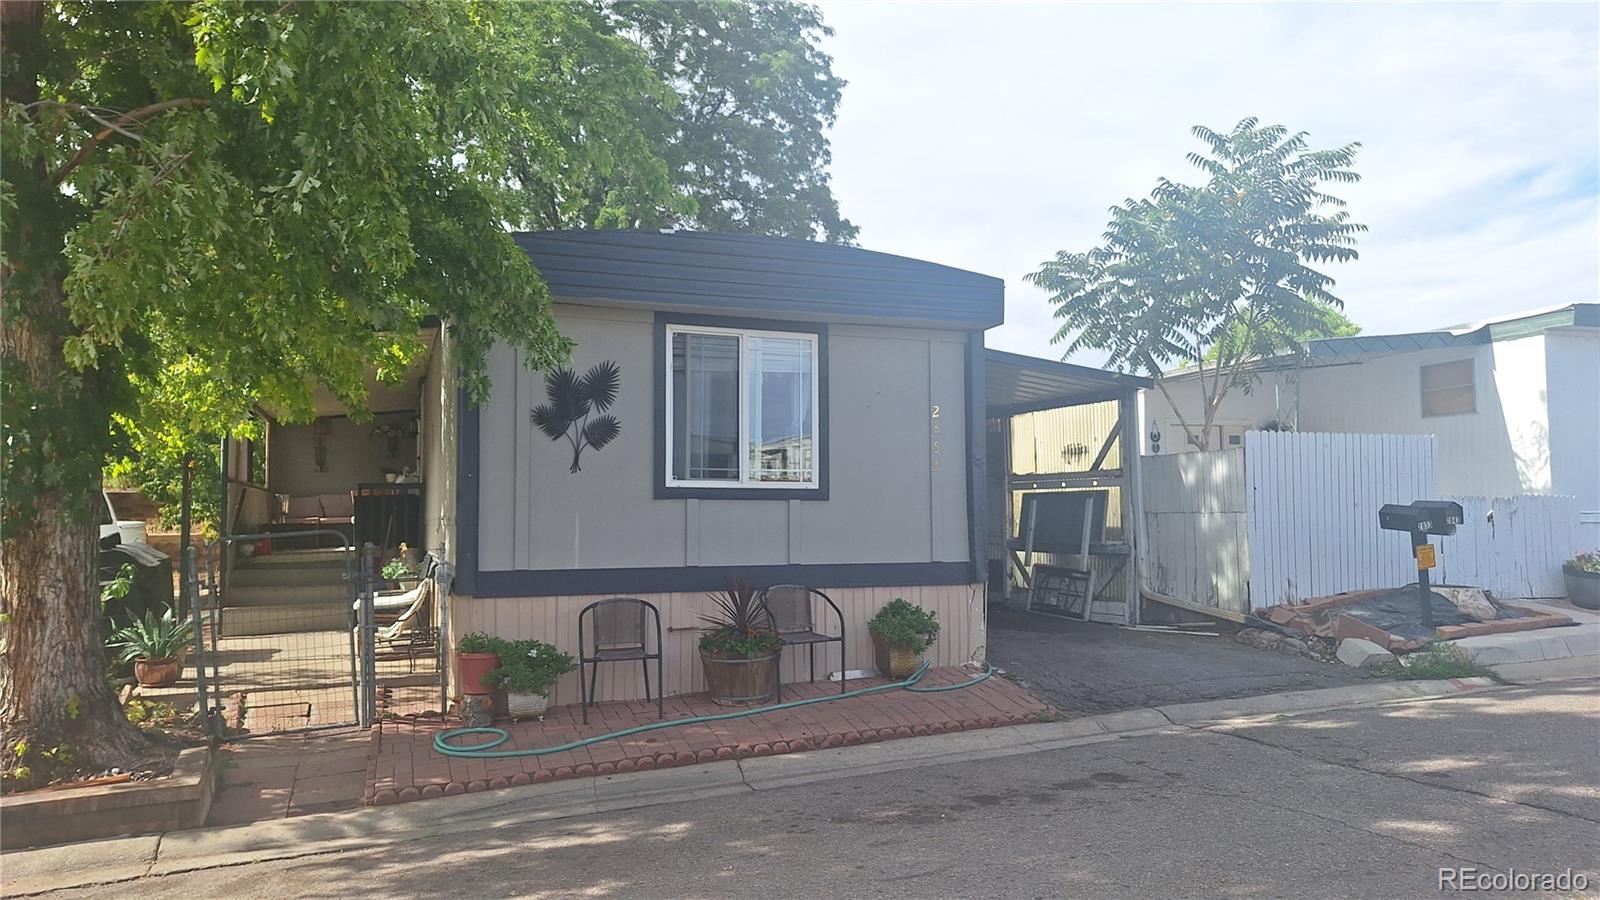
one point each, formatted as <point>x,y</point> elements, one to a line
<point>736,273</point>
<point>1014,383</point>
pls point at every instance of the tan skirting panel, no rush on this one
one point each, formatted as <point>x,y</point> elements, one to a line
<point>555,619</point>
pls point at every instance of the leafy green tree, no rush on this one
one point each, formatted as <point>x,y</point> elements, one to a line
<point>214,206</point>
<point>1271,339</point>
<point>744,133</point>
<point>1215,274</point>
<point>732,139</point>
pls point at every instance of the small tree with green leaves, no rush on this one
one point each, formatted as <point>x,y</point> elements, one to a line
<point>1217,274</point>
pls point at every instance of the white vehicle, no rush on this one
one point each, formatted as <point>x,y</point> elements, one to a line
<point>131,530</point>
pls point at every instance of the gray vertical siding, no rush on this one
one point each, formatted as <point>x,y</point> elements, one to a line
<point>887,503</point>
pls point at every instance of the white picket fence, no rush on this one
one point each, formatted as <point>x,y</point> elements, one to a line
<point>1312,510</point>
<point>1514,546</point>
<point>1295,515</point>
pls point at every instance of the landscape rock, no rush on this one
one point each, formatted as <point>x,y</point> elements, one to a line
<point>1292,647</point>
<point>1361,653</point>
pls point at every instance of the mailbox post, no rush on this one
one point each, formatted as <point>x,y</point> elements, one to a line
<point>1422,518</point>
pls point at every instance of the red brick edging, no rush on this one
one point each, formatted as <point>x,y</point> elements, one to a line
<point>481,779</point>
<point>685,758</point>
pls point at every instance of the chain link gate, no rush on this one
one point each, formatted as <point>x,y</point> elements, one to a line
<point>284,640</point>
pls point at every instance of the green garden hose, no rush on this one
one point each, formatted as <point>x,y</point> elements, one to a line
<point>485,750</point>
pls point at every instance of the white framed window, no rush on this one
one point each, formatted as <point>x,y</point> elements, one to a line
<point>741,408</point>
<point>1448,389</point>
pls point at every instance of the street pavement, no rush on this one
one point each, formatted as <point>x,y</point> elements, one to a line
<point>1368,801</point>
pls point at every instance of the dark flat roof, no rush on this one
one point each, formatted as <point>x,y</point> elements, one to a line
<point>754,274</point>
<point>1504,329</point>
<point>1015,383</point>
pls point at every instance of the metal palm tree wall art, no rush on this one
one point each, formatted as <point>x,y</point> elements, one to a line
<point>573,399</point>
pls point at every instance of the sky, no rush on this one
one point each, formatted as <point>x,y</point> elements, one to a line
<point>990,136</point>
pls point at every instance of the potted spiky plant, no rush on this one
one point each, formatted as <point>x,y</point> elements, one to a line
<point>740,649</point>
<point>153,644</point>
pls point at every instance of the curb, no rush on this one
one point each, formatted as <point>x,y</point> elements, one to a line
<point>30,872</point>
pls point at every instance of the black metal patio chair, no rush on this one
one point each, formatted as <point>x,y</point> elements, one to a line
<point>618,633</point>
<point>791,608</point>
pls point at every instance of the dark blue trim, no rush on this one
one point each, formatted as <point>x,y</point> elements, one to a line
<point>740,273</point>
<point>977,453</point>
<point>659,457</point>
<point>631,581</point>
<point>467,430</point>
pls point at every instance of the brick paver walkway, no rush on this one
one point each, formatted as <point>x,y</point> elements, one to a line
<point>405,766</point>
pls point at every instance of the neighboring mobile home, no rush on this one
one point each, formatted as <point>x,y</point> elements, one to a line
<point>1515,402</point>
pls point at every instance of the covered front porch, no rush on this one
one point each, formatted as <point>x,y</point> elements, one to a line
<point>315,512</point>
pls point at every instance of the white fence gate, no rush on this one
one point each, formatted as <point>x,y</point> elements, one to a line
<point>1514,546</point>
<point>1312,510</point>
<point>1194,540</point>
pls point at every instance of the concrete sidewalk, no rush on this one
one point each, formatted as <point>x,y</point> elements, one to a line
<point>104,862</point>
<point>1522,656</point>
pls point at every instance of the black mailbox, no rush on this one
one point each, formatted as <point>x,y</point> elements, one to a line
<point>1421,517</point>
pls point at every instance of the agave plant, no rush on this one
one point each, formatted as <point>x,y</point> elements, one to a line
<point>151,637</point>
<point>741,625</point>
<point>573,399</point>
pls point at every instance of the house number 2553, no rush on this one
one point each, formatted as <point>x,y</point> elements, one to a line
<point>935,429</point>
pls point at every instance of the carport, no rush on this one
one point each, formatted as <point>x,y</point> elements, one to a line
<point>1062,488</point>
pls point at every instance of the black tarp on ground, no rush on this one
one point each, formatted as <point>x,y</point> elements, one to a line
<point>1399,613</point>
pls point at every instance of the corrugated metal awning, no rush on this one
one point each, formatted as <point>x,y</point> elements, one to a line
<point>1015,383</point>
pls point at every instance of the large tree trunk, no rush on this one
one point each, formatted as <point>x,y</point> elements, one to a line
<point>57,713</point>
<point>53,690</point>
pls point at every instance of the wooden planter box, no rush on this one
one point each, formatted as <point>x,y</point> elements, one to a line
<point>741,682</point>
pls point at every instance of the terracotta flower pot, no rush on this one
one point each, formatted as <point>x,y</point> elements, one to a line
<point>156,672</point>
<point>897,661</point>
<point>471,667</point>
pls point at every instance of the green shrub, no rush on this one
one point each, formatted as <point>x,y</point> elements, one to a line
<point>528,667</point>
<point>905,624</point>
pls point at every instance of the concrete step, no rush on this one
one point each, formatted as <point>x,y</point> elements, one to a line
<point>334,594</point>
<point>239,621</point>
<point>267,576</point>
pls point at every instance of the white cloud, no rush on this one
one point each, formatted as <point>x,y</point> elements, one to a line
<point>991,136</point>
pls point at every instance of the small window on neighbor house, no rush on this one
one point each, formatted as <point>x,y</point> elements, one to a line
<point>741,408</point>
<point>1447,389</point>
